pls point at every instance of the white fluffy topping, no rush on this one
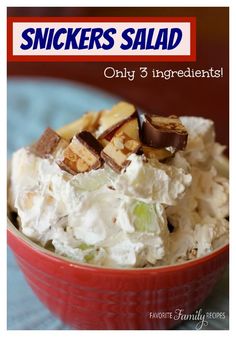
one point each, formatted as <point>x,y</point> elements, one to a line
<point>153,183</point>
<point>120,220</point>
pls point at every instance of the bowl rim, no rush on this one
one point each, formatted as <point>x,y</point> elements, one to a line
<point>118,270</point>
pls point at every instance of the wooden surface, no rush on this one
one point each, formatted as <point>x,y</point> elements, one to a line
<point>206,97</point>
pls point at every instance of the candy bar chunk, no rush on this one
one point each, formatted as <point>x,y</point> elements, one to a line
<point>86,146</point>
<point>103,142</point>
<point>162,132</point>
<point>116,153</point>
<point>152,153</point>
<point>112,119</point>
<point>130,128</point>
<point>72,163</point>
<point>88,122</point>
<point>83,154</point>
<point>49,144</point>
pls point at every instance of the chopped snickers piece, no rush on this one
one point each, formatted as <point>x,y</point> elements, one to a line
<point>162,132</point>
<point>112,119</point>
<point>48,144</point>
<point>72,163</point>
<point>130,128</point>
<point>86,146</point>
<point>152,153</point>
<point>83,154</point>
<point>116,153</point>
<point>192,253</point>
<point>88,122</point>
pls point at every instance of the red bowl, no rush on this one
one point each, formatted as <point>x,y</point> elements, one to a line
<point>89,297</point>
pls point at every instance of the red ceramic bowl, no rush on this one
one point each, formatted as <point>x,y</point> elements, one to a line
<point>88,297</point>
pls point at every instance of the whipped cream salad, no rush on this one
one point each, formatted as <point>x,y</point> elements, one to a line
<point>119,188</point>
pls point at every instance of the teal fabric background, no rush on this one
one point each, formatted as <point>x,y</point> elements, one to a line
<point>34,104</point>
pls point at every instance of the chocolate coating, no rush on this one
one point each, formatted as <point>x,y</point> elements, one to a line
<point>153,132</point>
<point>46,144</point>
<point>89,141</point>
